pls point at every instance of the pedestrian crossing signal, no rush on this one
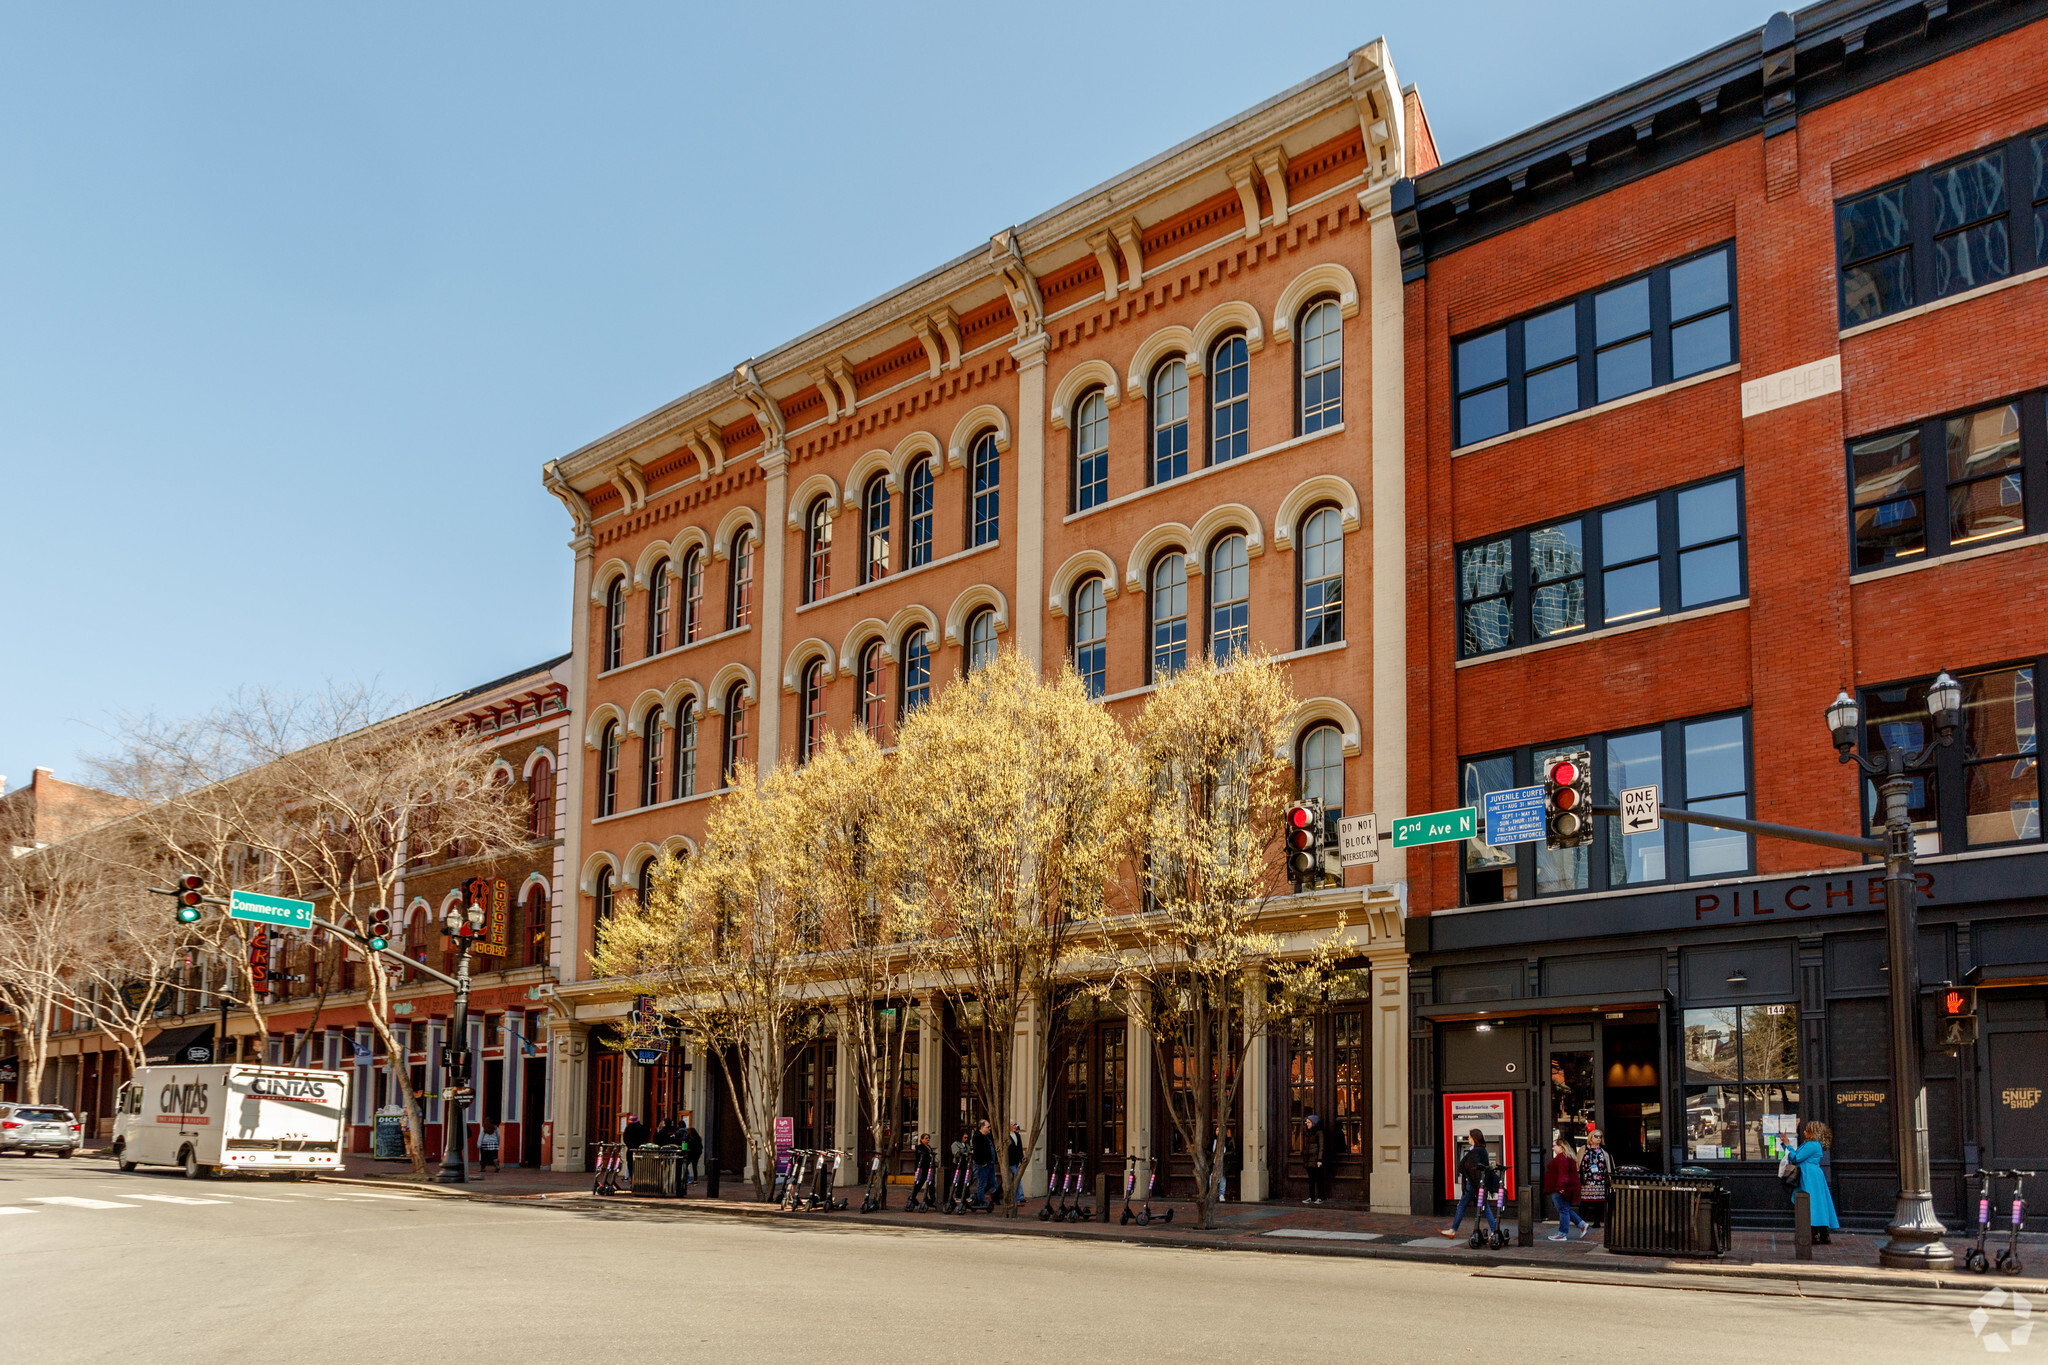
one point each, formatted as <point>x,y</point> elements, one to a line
<point>1958,1017</point>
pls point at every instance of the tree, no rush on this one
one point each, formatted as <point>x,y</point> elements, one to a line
<point>47,898</point>
<point>1196,962</point>
<point>1008,797</point>
<point>719,939</point>
<point>133,947</point>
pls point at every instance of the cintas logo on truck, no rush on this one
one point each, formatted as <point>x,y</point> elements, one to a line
<point>182,1103</point>
<point>289,1088</point>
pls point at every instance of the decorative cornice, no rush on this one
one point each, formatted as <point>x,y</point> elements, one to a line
<point>1018,282</point>
<point>767,412</point>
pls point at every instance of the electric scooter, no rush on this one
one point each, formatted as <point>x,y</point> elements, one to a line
<point>800,1165</point>
<point>1130,1186</point>
<point>1976,1259</point>
<point>956,1198</point>
<point>828,1179</point>
<point>1145,1214</point>
<point>878,1188</point>
<point>2009,1259</point>
<point>1077,1184</point>
<point>1052,1188</point>
<point>922,1180</point>
<point>1492,1200</point>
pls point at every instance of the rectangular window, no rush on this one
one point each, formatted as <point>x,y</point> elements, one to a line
<point>1985,789</point>
<point>1949,483</point>
<point>1679,549</point>
<point>1670,323</point>
<point>1702,764</point>
<point>1942,231</point>
<point>1741,1082</point>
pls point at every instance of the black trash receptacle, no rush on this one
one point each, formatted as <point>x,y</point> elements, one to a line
<point>1667,1215</point>
<point>671,1172</point>
<point>647,1170</point>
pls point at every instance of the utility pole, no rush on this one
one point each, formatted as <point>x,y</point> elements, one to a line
<point>462,926</point>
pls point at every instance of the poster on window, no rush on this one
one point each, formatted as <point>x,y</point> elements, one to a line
<point>1492,1112</point>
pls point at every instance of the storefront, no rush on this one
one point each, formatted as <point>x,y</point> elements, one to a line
<point>1703,1025</point>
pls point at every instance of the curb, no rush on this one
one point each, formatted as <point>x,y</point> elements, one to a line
<point>1814,1277</point>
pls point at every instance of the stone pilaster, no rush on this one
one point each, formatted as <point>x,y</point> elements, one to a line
<point>774,557</point>
<point>1387,528</point>
<point>566,950</point>
<point>568,1083</point>
<point>1029,601</point>
<point>1256,1103</point>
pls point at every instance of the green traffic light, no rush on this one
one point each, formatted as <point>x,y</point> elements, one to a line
<point>378,945</point>
<point>188,914</point>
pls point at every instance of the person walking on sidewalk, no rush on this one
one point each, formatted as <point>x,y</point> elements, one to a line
<point>692,1143</point>
<point>1812,1159</point>
<point>1316,1156</point>
<point>1561,1182</point>
<point>984,1153</point>
<point>487,1147</point>
<point>1472,1166</point>
<point>1596,1165</point>
<point>1013,1157</point>
<point>1233,1166</point>
<point>634,1134</point>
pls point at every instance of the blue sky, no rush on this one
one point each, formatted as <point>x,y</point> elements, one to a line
<point>297,298</point>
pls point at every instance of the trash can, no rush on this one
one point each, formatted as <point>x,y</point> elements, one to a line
<point>1667,1215</point>
<point>647,1170</point>
<point>671,1172</point>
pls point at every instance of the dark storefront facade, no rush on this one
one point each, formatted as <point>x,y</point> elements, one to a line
<point>1699,1025</point>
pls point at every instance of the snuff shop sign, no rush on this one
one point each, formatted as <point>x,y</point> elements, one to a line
<point>1858,891</point>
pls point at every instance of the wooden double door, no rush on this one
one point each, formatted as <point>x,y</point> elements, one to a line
<point>1322,1065</point>
<point>1090,1103</point>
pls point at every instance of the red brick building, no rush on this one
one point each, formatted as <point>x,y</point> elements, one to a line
<point>1725,393</point>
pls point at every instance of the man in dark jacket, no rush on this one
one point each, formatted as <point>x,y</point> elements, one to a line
<point>1472,1166</point>
<point>1315,1155</point>
<point>984,1153</point>
<point>692,1143</point>
<point>635,1134</point>
<point>1013,1157</point>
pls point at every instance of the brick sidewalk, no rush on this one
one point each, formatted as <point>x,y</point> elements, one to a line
<point>1321,1230</point>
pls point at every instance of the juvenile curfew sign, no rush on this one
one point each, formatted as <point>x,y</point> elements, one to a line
<point>1437,828</point>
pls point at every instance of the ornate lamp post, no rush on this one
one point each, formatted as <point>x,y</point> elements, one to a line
<point>462,926</point>
<point>1915,1231</point>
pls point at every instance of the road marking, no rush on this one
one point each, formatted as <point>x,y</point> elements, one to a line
<point>175,1199</point>
<point>365,1194</point>
<point>73,1201</point>
<point>14,1208</point>
<point>1324,1234</point>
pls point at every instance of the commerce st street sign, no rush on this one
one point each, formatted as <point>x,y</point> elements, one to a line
<point>260,909</point>
<point>1436,828</point>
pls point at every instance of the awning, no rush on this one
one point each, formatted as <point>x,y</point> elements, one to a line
<point>1996,974</point>
<point>1606,1002</point>
<point>188,1046</point>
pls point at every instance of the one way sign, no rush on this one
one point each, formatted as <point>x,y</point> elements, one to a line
<point>1639,810</point>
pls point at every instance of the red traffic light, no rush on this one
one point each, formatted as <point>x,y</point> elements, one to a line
<point>1300,817</point>
<point>1567,798</point>
<point>191,881</point>
<point>1564,774</point>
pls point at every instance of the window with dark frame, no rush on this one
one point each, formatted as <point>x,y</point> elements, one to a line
<point>1168,606</point>
<point>818,550</point>
<point>987,464</point>
<point>1741,1082</point>
<point>1169,422</point>
<point>658,590</point>
<point>1983,791</point>
<point>1673,551</point>
<point>1228,586</point>
<point>1943,231</point>
<point>540,801</point>
<point>918,501</point>
<point>1668,324</point>
<point>653,751</point>
<point>608,769</point>
<point>686,748</point>
<point>812,735</point>
<point>1229,399</point>
<point>1320,372</point>
<point>615,624</point>
<point>1320,586</point>
<point>876,505</point>
<point>916,670</point>
<point>739,606</point>
<point>1701,764</point>
<point>1949,483</point>
<point>981,639</point>
<point>874,693</point>
<point>735,732</point>
<point>1089,622</point>
<point>1091,451</point>
<point>693,597</point>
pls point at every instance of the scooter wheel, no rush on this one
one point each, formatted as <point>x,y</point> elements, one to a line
<point>1475,1240</point>
<point>1045,1215</point>
<point>1977,1261</point>
<point>2009,1264</point>
<point>1073,1215</point>
<point>1126,1219</point>
<point>1145,1219</point>
<point>1166,1217</point>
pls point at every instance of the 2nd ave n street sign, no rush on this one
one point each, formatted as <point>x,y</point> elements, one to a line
<point>1436,828</point>
<point>261,909</point>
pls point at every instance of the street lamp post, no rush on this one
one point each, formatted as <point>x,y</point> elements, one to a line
<point>462,926</point>
<point>1915,1231</point>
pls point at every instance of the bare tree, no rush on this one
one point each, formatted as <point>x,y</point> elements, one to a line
<point>47,898</point>
<point>132,950</point>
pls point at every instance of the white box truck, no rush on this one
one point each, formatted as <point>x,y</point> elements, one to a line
<point>211,1119</point>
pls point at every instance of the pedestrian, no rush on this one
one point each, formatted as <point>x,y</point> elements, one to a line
<point>1596,1165</point>
<point>1561,1183</point>
<point>984,1153</point>
<point>1315,1156</point>
<point>1233,1165</point>
<point>634,1134</point>
<point>922,1174</point>
<point>1472,1166</point>
<point>665,1135</point>
<point>1013,1156</point>
<point>487,1147</point>
<point>1811,1159</point>
<point>692,1143</point>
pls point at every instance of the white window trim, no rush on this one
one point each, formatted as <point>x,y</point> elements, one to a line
<point>1954,557</point>
<point>1597,409</point>
<point>1922,309</point>
<point>1605,632</point>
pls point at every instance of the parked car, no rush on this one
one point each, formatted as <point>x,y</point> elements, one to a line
<point>29,1128</point>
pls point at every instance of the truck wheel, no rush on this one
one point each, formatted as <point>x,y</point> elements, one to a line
<point>121,1156</point>
<point>64,1153</point>
<point>193,1170</point>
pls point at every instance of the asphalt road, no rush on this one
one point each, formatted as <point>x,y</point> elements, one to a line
<point>101,1266</point>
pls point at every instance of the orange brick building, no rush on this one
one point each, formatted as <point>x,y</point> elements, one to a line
<point>1725,393</point>
<point>1162,418</point>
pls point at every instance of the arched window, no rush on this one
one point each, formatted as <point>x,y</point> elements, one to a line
<point>813,693</point>
<point>658,589</point>
<point>643,883</point>
<point>608,769</point>
<point>601,898</point>
<point>1230,592</point>
<point>693,597</point>
<point>917,670</point>
<point>874,695</point>
<point>1322,578</point>
<point>686,748</point>
<point>1169,421</point>
<point>533,949</point>
<point>988,497</point>
<point>415,941</point>
<point>1322,366</point>
<point>739,606</point>
<point>1169,616</point>
<point>1091,451</point>
<point>1320,765</point>
<point>1090,618</point>
<point>919,502</point>
<point>818,551</point>
<point>653,753</point>
<point>735,732</point>
<point>874,516</point>
<point>540,800</point>
<point>615,624</point>
<point>1230,422</point>
<point>981,639</point>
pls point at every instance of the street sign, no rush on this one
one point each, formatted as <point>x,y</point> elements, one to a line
<point>1358,840</point>
<point>1436,828</point>
<point>259,909</point>
<point>1639,810</point>
<point>1514,816</point>
<point>456,1094</point>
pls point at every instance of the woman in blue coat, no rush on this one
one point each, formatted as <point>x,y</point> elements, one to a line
<point>1811,1158</point>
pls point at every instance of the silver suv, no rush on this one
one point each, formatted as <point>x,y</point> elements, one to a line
<point>28,1128</point>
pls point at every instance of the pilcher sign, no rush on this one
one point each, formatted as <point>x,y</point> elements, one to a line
<point>1438,828</point>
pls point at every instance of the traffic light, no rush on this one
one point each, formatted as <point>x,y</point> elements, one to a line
<point>380,929</point>
<point>1568,800</point>
<point>1958,1016</point>
<point>1304,835</point>
<point>190,891</point>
